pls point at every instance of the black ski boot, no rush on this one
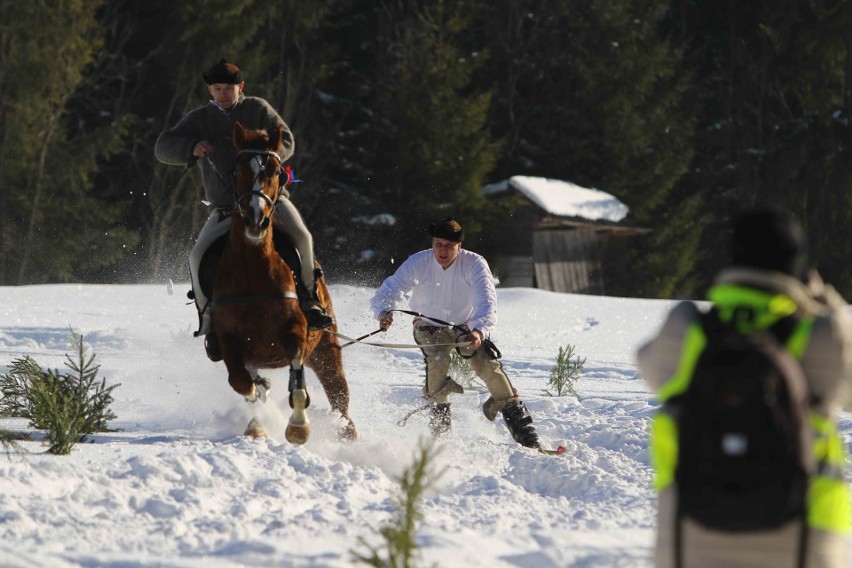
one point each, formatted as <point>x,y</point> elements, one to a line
<point>519,423</point>
<point>439,419</point>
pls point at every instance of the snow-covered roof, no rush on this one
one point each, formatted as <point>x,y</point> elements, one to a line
<point>563,198</point>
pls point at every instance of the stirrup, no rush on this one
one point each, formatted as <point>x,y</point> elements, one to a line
<point>316,316</point>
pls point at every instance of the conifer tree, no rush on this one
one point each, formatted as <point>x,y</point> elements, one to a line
<point>416,140</point>
<point>50,222</point>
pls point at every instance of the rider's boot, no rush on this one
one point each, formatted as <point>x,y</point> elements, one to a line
<point>519,423</point>
<point>205,328</point>
<point>311,307</point>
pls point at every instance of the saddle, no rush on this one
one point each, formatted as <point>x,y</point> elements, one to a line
<point>210,260</point>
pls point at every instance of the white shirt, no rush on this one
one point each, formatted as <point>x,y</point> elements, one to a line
<point>463,294</point>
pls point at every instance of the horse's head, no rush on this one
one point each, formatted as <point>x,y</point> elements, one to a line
<point>256,182</point>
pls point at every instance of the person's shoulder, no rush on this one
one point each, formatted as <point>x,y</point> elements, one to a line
<point>421,255</point>
<point>197,112</point>
<point>472,258</point>
<point>256,102</point>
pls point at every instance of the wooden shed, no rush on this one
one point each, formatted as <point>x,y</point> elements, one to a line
<point>560,236</point>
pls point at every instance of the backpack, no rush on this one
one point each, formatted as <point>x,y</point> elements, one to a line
<point>744,450</point>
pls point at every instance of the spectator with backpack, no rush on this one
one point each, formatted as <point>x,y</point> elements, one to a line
<point>748,462</point>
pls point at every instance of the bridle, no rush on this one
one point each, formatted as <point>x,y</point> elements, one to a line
<point>262,157</point>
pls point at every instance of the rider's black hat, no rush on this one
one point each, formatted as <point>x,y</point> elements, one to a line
<point>223,72</point>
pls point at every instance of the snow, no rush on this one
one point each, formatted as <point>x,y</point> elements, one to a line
<point>565,199</point>
<point>177,486</point>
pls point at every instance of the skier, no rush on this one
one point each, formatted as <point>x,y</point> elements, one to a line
<point>455,286</point>
<point>205,135</point>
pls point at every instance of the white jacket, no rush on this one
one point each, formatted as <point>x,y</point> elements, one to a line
<point>463,294</point>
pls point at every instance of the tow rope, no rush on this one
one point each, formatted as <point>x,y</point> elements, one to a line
<point>351,340</point>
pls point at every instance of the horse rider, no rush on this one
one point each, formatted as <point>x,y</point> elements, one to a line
<point>205,135</point>
<point>454,285</point>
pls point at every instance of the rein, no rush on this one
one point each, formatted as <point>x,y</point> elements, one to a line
<point>189,164</point>
<point>351,340</point>
<point>395,345</point>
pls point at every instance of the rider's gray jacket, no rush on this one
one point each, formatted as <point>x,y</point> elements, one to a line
<point>216,125</point>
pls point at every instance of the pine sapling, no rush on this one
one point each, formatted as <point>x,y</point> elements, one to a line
<point>400,536</point>
<point>59,410</point>
<point>15,387</point>
<point>67,406</point>
<point>565,373</point>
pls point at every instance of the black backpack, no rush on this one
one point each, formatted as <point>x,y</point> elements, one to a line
<point>744,450</point>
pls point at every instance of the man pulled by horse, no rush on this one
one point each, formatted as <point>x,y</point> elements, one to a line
<point>255,304</point>
<point>203,136</point>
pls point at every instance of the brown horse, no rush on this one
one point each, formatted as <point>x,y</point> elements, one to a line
<point>255,308</point>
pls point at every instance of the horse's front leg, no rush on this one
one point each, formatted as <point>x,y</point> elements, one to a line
<point>299,427</point>
<point>239,377</point>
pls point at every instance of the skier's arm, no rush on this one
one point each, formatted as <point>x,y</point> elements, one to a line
<point>391,294</point>
<point>484,297</point>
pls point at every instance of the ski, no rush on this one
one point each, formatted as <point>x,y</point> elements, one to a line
<point>553,452</point>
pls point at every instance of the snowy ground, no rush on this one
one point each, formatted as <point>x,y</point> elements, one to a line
<point>178,486</point>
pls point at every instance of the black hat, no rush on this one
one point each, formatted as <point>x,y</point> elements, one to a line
<point>772,239</point>
<point>223,72</point>
<point>447,229</point>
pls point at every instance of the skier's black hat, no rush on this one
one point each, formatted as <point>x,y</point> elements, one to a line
<point>447,229</point>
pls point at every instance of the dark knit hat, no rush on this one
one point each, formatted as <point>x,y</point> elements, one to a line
<point>447,229</point>
<point>223,72</point>
<point>771,239</point>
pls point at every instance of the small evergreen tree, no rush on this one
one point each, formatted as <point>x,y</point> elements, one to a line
<point>67,406</point>
<point>399,536</point>
<point>565,373</point>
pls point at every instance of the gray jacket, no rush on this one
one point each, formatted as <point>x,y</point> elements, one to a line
<point>211,123</point>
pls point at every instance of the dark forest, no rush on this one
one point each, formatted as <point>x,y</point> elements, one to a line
<point>685,110</point>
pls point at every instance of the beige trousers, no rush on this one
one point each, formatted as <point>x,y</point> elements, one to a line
<point>215,227</point>
<point>438,363</point>
<point>705,548</point>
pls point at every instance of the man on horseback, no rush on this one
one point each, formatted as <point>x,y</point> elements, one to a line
<point>204,135</point>
<point>457,285</point>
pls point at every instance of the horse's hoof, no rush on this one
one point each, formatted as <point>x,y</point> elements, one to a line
<point>297,434</point>
<point>348,433</point>
<point>255,429</point>
<point>299,427</point>
<point>257,393</point>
